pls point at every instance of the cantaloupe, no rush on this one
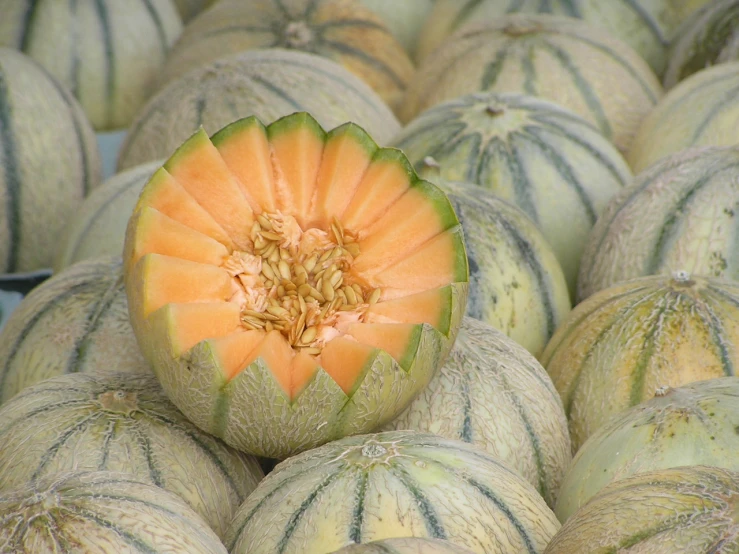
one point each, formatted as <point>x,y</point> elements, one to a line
<point>291,286</point>
<point>405,19</point>
<point>268,84</point>
<point>405,545</point>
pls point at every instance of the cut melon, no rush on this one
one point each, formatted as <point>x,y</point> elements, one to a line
<point>334,297</point>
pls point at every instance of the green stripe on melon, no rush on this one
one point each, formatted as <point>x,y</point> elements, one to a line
<point>392,484</point>
<point>547,160</point>
<point>679,214</point>
<point>494,394</point>
<point>106,52</point>
<point>557,58</point>
<point>100,511</point>
<point>77,321</point>
<point>686,510</point>
<point>710,36</point>
<point>618,347</point>
<point>343,31</point>
<point>121,422</point>
<point>695,424</point>
<point>267,83</point>
<point>702,110</point>
<point>37,115</point>
<point>99,226</point>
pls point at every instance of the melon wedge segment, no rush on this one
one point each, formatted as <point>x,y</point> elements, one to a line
<point>234,350</point>
<point>304,369</point>
<point>346,361</point>
<point>200,169</point>
<point>191,323</point>
<point>278,357</point>
<point>346,158</point>
<point>154,232</point>
<point>432,306</point>
<point>400,340</point>
<point>163,279</point>
<point>297,148</point>
<point>167,196</point>
<point>245,149</point>
<point>387,178</point>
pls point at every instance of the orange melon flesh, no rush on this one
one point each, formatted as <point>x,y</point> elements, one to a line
<point>201,171</point>
<point>297,147</point>
<point>302,372</point>
<point>191,323</point>
<point>400,340</point>
<point>387,179</point>
<point>173,280</point>
<point>278,355</point>
<point>433,265</point>
<point>156,233</point>
<point>167,196</point>
<point>404,227</point>
<point>233,351</point>
<point>244,147</point>
<point>345,360</point>
<point>430,306</point>
<point>346,157</point>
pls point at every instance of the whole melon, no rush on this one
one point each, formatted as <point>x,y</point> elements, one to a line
<point>343,31</point>
<point>269,84</point>
<point>99,226</point>
<point>547,160</point>
<point>562,59</point>
<point>106,52</point>
<point>492,393</point>
<point>685,510</point>
<point>645,25</point>
<point>100,511</point>
<point>516,283</point>
<point>125,423</point>
<point>291,286</point>
<point>393,484</point>
<point>37,116</point>
<point>679,214</point>
<point>76,321</point>
<point>695,424</point>
<point>620,346</point>
<point>702,110</point>
<point>405,19</point>
<point>405,545</point>
<point>708,37</point>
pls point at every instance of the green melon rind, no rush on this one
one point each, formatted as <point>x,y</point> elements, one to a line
<point>62,425</point>
<point>690,425</point>
<point>101,511</point>
<point>438,488</point>
<point>710,36</point>
<point>686,510</point>
<point>266,83</point>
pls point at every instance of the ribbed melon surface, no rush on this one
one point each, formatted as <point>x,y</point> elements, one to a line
<point>680,214</point>
<point>267,83</point>
<point>687,510</point>
<point>100,511</point>
<point>405,545</point>
<point>618,347</point>
<point>343,31</point>
<point>106,52</point>
<point>703,110</point>
<point>77,321</point>
<point>548,161</point>
<point>404,19</point>
<point>394,484</point>
<point>125,423</point>
<point>695,424</point>
<point>558,58</point>
<point>37,115</point>
<point>516,283</point>
<point>494,394</point>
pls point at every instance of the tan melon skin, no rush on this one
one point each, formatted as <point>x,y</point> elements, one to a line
<point>690,425</point>
<point>121,422</point>
<point>626,91</point>
<point>404,19</point>
<point>687,510</point>
<point>618,347</point>
<point>493,393</point>
<point>405,545</point>
<point>229,89</point>
<point>702,110</point>
<point>226,29</point>
<point>76,321</point>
